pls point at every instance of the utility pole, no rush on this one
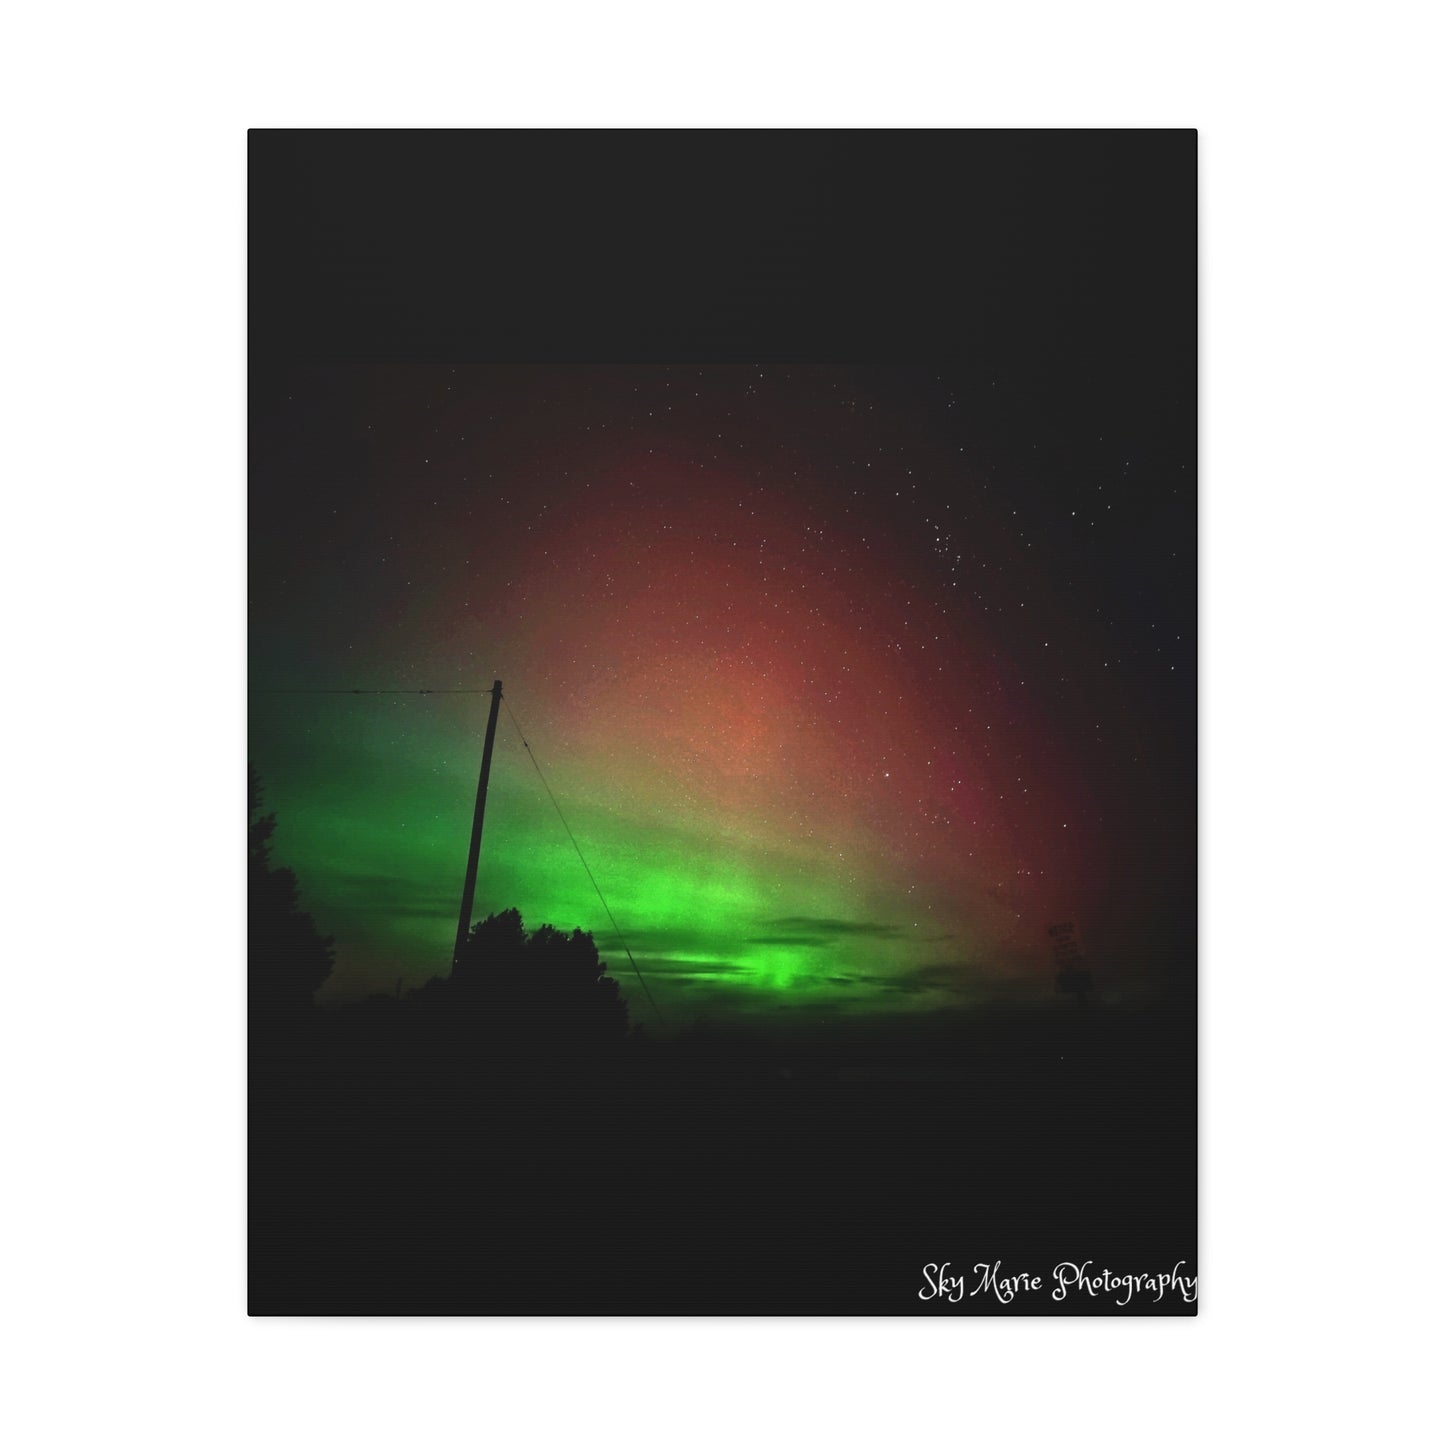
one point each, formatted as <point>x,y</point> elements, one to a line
<point>469,887</point>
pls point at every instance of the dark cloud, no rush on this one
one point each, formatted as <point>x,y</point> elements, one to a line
<point>787,940</point>
<point>922,978</point>
<point>845,927</point>
<point>803,932</point>
<point>676,968</point>
<point>384,893</point>
<point>658,942</point>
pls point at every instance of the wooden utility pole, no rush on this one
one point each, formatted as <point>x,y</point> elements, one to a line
<point>469,887</point>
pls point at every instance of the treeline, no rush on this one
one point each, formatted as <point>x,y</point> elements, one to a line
<point>527,986</point>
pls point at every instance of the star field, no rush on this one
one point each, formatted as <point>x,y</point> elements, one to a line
<point>849,682</point>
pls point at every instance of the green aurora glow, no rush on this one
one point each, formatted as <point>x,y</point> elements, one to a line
<point>375,822</point>
<point>822,707</point>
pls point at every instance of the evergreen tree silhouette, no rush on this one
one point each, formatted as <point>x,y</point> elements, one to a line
<point>287,957</point>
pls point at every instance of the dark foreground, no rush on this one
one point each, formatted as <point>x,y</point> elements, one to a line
<point>396,1169</point>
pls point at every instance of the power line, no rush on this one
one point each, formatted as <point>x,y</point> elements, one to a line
<point>583,860</point>
<point>476,692</point>
<point>373,691</point>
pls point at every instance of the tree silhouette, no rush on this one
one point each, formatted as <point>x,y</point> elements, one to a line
<point>548,985</point>
<point>287,958</point>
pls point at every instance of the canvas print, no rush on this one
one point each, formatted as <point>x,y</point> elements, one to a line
<point>722,832</point>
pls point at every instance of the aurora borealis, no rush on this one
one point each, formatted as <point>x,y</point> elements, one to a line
<point>849,682</point>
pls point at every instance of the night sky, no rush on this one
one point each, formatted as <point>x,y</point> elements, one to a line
<point>849,681</point>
